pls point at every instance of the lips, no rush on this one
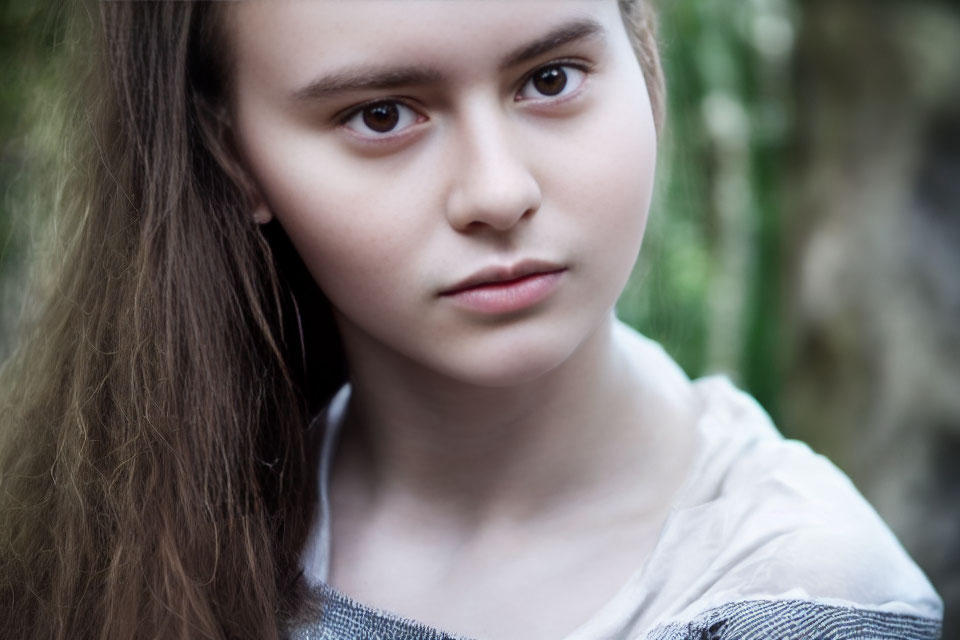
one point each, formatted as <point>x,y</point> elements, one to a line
<point>508,289</point>
<point>503,275</point>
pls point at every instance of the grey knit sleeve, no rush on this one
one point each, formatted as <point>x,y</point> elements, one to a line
<point>797,620</point>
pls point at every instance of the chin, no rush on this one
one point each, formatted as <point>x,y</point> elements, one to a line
<point>512,363</point>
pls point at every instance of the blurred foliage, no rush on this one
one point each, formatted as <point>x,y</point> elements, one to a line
<point>707,284</point>
<point>31,35</point>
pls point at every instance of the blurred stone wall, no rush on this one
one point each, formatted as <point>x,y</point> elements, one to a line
<point>872,263</point>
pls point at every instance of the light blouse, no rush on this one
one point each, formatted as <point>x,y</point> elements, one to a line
<point>766,539</point>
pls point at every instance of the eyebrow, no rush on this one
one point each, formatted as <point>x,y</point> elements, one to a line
<point>573,31</point>
<point>366,78</point>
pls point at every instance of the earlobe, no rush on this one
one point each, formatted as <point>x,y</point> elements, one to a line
<point>261,213</point>
<point>218,134</point>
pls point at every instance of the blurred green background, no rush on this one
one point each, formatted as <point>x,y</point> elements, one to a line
<point>804,239</point>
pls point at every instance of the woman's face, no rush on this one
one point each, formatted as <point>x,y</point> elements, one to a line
<point>414,148</point>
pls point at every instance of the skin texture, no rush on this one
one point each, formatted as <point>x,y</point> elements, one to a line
<point>472,437</point>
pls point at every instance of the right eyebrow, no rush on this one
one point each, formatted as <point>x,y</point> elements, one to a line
<point>354,79</point>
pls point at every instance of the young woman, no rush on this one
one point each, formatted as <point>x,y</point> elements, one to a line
<point>332,354</point>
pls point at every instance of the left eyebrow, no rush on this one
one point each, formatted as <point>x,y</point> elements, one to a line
<point>572,31</point>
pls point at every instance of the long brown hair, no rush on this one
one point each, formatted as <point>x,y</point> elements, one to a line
<point>156,471</point>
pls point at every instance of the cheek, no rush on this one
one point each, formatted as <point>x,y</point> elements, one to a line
<point>624,156</point>
<point>350,236</point>
<point>624,182</point>
<point>608,183</point>
<point>350,258</point>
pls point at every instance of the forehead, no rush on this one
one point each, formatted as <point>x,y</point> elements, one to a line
<point>291,41</point>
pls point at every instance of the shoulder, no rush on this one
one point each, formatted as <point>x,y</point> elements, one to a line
<point>763,619</point>
<point>786,539</point>
<point>765,520</point>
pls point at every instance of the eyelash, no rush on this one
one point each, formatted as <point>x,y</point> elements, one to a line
<point>578,66</point>
<point>357,112</point>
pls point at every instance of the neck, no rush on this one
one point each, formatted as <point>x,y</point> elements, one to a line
<point>579,432</point>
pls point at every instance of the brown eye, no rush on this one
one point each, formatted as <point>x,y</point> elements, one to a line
<point>550,81</point>
<point>382,117</point>
<point>553,82</point>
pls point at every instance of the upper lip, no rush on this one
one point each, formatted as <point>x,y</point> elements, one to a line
<point>503,273</point>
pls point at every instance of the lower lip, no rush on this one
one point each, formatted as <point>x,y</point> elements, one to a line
<point>508,297</point>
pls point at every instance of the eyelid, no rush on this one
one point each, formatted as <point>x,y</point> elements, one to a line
<point>579,64</point>
<point>344,117</point>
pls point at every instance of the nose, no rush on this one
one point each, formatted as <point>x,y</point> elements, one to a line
<point>493,186</point>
